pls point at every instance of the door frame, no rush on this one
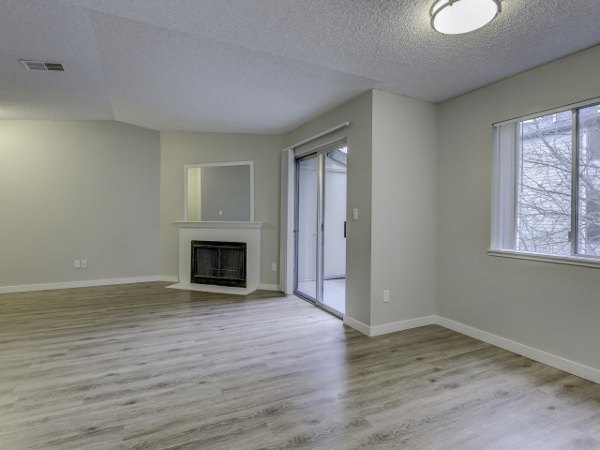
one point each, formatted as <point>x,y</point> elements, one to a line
<point>319,153</point>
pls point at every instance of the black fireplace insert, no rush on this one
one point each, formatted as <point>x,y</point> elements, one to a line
<point>219,263</point>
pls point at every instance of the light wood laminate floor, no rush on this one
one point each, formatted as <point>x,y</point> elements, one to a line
<point>144,367</point>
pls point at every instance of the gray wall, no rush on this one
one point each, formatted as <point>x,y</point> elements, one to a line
<point>403,245</point>
<point>181,148</point>
<point>358,258</point>
<point>551,307</point>
<point>78,190</point>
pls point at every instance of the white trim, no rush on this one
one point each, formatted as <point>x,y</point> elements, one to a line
<point>286,236</point>
<point>211,288</point>
<point>357,325</point>
<point>391,327</point>
<point>401,325</point>
<point>589,373</point>
<point>78,284</point>
<point>216,224</point>
<point>269,287</point>
<point>221,289</point>
<point>540,257</point>
<point>218,164</point>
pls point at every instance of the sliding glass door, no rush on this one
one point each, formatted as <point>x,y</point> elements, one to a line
<point>320,275</point>
<point>307,227</point>
<point>335,175</point>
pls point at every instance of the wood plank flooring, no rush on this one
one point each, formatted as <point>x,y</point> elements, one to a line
<point>145,367</point>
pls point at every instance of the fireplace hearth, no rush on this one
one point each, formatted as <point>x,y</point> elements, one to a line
<point>218,263</point>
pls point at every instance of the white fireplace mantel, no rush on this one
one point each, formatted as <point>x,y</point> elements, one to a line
<point>248,232</point>
<point>217,224</point>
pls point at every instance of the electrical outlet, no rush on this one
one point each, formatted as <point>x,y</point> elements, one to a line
<point>76,264</point>
<point>220,212</point>
<point>274,267</point>
<point>355,213</point>
<point>84,263</point>
<point>386,296</point>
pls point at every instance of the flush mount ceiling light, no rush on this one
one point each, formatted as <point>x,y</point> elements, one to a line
<point>462,16</point>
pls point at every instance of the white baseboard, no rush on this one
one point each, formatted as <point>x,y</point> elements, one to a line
<point>77,284</point>
<point>269,287</point>
<point>401,325</point>
<point>216,289</point>
<point>103,282</point>
<point>392,327</point>
<point>589,373</point>
<point>578,369</point>
<point>357,325</point>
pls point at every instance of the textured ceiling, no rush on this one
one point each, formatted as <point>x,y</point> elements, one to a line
<point>260,66</point>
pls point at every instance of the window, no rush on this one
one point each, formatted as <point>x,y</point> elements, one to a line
<point>546,185</point>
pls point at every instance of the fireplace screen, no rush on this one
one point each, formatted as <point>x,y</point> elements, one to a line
<point>219,263</point>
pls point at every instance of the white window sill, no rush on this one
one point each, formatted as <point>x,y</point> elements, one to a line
<point>569,260</point>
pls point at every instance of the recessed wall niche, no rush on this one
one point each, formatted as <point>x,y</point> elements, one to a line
<point>219,191</point>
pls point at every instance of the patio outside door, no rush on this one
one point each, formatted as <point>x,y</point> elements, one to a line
<point>320,232</point>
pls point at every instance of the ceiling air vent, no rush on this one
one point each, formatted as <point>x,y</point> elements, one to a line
<point>43,66</point>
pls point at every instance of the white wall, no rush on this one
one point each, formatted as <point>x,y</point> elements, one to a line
<point>551,307</point>
<point>403,246</point>
<point>358,135</point>
<point>181,148</point>
<point>77,190</point>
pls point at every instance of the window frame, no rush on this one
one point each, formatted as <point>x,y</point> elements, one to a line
<point>505,190</point>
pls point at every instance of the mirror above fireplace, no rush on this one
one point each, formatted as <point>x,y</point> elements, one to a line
<point>219,192</point>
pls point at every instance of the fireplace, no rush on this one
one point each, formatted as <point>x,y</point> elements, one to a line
<point>218,263</point>
<point>216,233</point>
